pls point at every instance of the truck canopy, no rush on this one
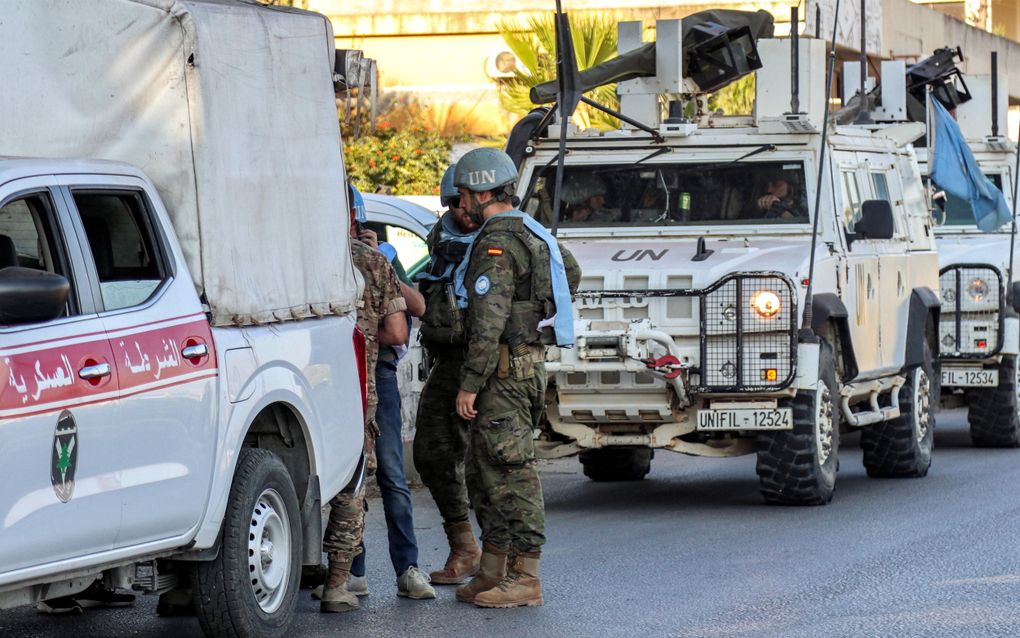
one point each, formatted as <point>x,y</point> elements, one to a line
<point>229,108</point>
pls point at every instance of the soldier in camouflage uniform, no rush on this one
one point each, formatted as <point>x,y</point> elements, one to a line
<point>441,437</point>
<point>381,320</point>
<point>516,277</point>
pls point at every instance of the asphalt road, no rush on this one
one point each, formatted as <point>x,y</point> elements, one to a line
<point>692,551</point>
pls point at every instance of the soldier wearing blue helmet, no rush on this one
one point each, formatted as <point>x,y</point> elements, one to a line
<point>441,440</point>
<point>515,288</point>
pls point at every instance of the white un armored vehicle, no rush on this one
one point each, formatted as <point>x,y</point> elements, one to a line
<point>695,239</point>
<point>979,330</point>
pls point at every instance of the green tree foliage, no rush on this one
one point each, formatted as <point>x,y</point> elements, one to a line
<point>534,44</point>
<point>398,160</point>
<point>736,98</point>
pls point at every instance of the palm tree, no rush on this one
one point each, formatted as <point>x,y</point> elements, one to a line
<point>534,44</point>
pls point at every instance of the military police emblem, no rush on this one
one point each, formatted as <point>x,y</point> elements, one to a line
<point>64,459</point>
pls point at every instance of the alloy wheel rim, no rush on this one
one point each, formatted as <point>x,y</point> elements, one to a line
<point>269,544</point>
<point>823,423</point>
<point>922,403</point>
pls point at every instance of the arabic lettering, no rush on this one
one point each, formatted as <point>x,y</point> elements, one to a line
<point>61,377</point>
<point>170,360</point>
<point>143,364</point>
<point>22,387</point>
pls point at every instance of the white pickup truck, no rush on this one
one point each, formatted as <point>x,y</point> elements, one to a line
<point>181,378</point>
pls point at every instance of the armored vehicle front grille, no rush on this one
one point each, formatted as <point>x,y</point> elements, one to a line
<point>744,348</point>
<point>970,326</point>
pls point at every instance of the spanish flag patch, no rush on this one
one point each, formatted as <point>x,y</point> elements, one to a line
<point>494,252</point>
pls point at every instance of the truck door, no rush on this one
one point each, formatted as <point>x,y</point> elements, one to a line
<point>861,294</point>
<point>163,351</point>
<point>894,273</point>
<point>59,446</point>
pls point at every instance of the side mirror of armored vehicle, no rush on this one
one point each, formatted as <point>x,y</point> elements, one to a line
<point>876,221</point>
<point>28,295</point>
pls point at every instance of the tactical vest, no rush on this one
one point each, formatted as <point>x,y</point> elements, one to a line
<point>533,296</point>
<point>442,325</point>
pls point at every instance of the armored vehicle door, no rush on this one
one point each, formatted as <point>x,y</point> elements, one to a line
<point>861,288</point>
<point>894,263</point>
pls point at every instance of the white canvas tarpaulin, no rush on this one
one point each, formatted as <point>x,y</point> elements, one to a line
<point>228,106</point>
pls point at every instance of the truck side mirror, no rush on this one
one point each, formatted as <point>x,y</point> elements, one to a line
<point>876,220</point>
<point>30,296</point>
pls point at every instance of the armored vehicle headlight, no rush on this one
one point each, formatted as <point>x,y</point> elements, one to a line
<point>766,303</point>
<point>978,289</point>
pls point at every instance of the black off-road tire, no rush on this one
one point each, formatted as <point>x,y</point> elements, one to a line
<point>262,495</point>
<point>902,448</point>
<point>616,464</point>
<point>798,466</point>
<point>994,413</point>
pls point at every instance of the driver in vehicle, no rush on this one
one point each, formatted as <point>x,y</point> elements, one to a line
<point>778,201</point>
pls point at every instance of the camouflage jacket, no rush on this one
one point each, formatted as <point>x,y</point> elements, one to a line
<point>503,301</point>
<point>381,297</point>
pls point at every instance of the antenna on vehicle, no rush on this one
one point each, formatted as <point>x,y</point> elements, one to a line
<point>568,94</point>
<point>1012,230</point>
<point>995,93</point>
<point>794,61</point>
<point>864,114</point>
<point>806,332</point>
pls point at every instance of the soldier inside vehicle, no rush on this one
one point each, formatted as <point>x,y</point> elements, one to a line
<point>675,194</point>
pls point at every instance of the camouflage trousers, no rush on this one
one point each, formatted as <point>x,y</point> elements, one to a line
<point>346,526</point>
<point>441,440</point>
<point>502,474</point>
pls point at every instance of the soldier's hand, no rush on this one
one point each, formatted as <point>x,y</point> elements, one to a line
<point>765,201</point>
<point>466,405</point>
<point>369,237</point>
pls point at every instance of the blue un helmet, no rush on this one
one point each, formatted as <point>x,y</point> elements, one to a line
<point>357,203</point>
<point>485,169</point>
<point>447,191</point>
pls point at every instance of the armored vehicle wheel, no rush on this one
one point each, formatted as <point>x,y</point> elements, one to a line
<point>798,466</point>
<point>251,587</point>
<point>616,464</point>
<point>994,413</point>
<point>901,448</point>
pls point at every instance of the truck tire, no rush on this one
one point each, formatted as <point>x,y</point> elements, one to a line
<point>798,466</point>
<point>994,413</point>
<point>250,589</point>
<point>901,448</point>
<point>616,464</point>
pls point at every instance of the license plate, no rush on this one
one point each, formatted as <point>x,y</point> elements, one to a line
<point>970,377</point>
<point>754,419</point>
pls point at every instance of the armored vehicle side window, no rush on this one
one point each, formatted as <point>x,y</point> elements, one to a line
<point>676,194</point>
<point>123,246</point>
<point>881,185</point>
<point>28,238</point>
<point>851,200</point>
<point>958,211</point>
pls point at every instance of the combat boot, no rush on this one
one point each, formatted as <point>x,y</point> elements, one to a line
<point>520,588</point>
<point>462,563</point>
<point>491,570</point>
<point>335,597</point>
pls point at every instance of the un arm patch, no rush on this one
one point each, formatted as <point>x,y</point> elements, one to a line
<point>482,285</point>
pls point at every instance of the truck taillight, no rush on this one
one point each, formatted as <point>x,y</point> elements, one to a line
<point>361,356</point>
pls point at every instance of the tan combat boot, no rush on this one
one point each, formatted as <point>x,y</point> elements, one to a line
<point>335,597</point>
<point>462,563</point>
<point>520,588</point>
<point>491,570</point>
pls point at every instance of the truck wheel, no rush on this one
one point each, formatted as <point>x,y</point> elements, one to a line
<point>994,413</point>
<point>901,448</point>
<point>798,466</point>
<point>250,589</point>
<point>616,464</point>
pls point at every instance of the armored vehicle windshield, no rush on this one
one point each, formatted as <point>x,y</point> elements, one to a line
<point>958,211</point>
<point>673,194</point>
